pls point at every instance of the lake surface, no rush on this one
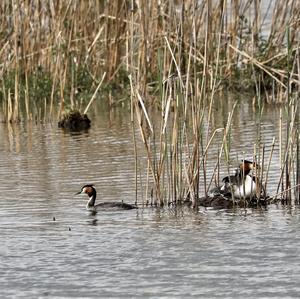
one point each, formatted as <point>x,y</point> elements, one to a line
<point>52,247</point>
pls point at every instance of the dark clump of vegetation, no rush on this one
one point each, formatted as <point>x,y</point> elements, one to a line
<point>74,121</point>
<point>228,203</point>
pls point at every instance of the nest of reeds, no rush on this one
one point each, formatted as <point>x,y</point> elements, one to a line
<point>222,202</point>
<point>74,121</point>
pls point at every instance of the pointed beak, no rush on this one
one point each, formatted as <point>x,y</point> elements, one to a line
<point>78,193</point>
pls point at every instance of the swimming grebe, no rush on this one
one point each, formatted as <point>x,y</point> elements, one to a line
<point>91,192</point>
<point>242,184</point>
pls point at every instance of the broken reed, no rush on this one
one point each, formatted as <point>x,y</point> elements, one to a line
<point>55,52</point>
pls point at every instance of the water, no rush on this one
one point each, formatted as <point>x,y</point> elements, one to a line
<point>52,247</point>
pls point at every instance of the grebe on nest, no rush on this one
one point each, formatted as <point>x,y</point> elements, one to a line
<point>242,184</point>
<point>91,192</point>
<point>240,188</point>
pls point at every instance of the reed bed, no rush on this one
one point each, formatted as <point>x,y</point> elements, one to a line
<point>180,143</point>
<point>172,55</point>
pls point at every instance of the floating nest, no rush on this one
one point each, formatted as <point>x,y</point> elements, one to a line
<point>74,121</point>
<point>223,202</point>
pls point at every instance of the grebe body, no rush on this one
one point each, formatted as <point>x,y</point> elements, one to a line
<point>242,184</point>
<point>240,188</point>
<point>92,194</point>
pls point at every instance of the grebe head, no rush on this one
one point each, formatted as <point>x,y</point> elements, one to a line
<point>91,192</point>
<point>246,166</point>
<point>88,189</point>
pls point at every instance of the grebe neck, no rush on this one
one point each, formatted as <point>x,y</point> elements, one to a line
<point>92,200</point>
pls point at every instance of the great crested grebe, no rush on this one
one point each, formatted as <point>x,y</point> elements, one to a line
<point>242,184</point>
<point>91,192</point>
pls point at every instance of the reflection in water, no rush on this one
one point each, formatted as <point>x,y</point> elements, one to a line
<point>149,252</point>
<point>93,222</point>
